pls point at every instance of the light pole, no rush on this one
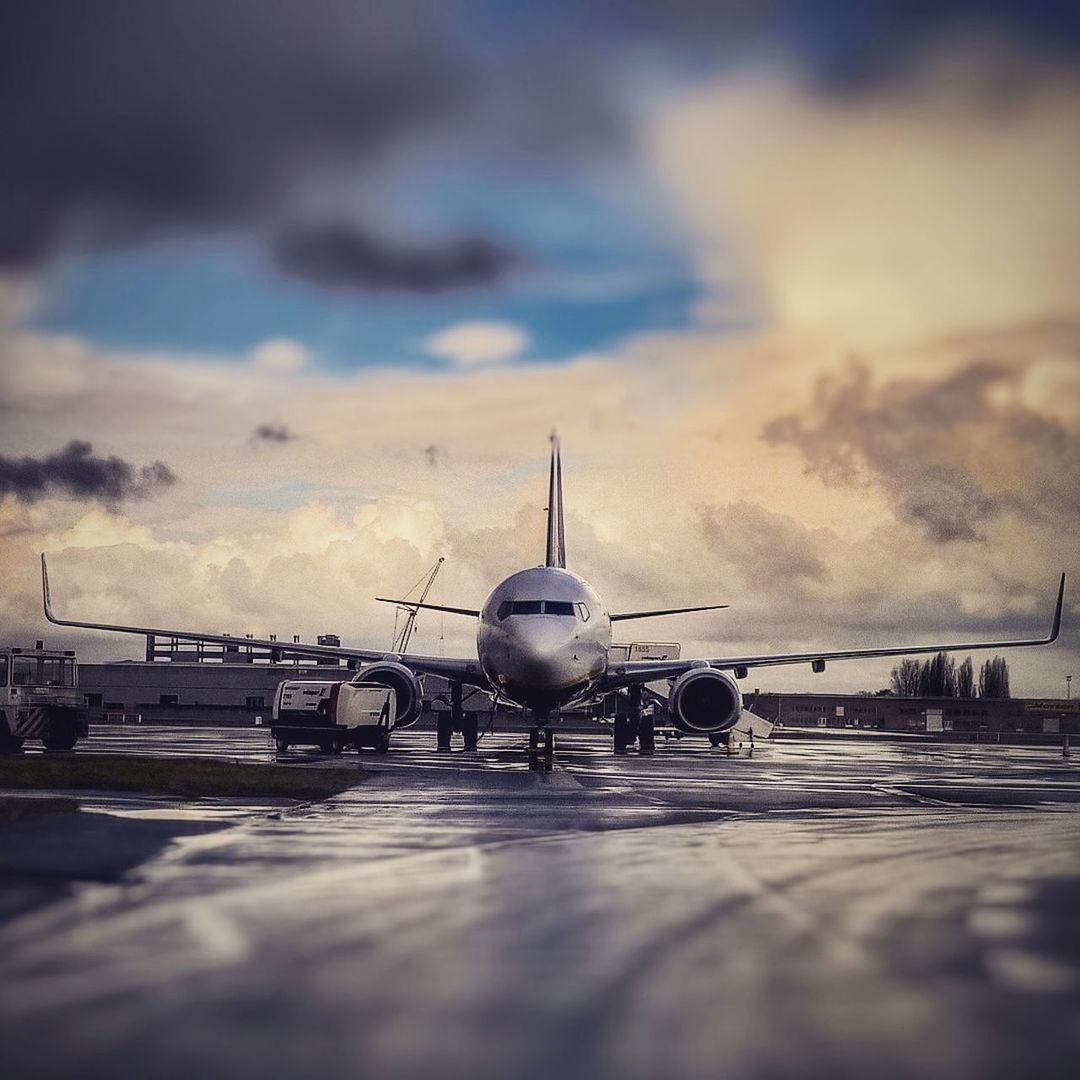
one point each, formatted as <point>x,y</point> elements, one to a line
<point>1068,688</point>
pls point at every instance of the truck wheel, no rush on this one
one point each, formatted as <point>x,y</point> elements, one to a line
<point>9,744</point>
<point>63,738</point>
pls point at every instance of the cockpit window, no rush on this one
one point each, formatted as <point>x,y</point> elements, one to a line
<point>583,611</point>
<point>541,607</point>
<point>558,607</point>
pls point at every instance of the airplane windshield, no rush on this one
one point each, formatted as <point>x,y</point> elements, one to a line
<point>537,607</point>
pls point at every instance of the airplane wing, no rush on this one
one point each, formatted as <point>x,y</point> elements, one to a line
<point>639,671</point>
<point>466,671</point>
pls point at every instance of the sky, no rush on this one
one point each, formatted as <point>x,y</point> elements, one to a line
<point>291,297</point>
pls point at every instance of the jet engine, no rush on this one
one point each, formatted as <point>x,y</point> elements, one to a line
<point>705,700</point>
<point>405,684</point>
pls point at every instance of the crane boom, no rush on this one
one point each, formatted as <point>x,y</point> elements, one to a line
<point>401,641</point>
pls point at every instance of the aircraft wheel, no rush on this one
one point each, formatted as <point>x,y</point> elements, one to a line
<point>647,736</point>
<point>469,728</point>
<point>444,728</point>
<point>719,738</point>
<point>621,735</point>
<point>383,744</point>
<point>281,743</point>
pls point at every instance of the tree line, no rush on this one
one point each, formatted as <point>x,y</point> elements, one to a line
<point>941,676</point>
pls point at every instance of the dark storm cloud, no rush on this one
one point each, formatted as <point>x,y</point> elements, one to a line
<point>122,119</point>
<point>940,449</point>
<point>272,433</point>
<point>342,256</point>
<point>78,473</point>
<point>772,552</point>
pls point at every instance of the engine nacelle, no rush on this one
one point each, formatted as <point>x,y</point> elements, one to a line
<point>404,683</point>
<point>705,700</point>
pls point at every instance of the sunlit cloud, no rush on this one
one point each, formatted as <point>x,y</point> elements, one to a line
<point>472,343</point>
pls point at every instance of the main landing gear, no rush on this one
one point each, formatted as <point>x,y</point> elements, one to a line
<point>457,719</point>
<point>633,726</point>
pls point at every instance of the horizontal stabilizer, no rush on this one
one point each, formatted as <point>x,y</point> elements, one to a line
<point>621,616</point>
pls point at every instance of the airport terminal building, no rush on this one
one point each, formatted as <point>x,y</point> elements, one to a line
<point>203,683</point>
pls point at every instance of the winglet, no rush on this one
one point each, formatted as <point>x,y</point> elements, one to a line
<point>1056,627</point>
<point>556,536</point>
<point>45,598</point>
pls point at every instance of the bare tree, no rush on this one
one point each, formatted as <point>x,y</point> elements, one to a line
<point>965,680</point>
<point>938,677</point>
<point>994,678</point>
<point>904,679</point>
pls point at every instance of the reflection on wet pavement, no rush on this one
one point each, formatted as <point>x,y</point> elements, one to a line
<point>814,909</point>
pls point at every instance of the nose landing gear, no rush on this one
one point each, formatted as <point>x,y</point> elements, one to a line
<point>541,749</point>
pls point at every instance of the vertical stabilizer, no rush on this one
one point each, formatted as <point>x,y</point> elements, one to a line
<point>556,537</point>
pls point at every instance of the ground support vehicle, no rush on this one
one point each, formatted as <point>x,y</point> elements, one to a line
<point>40,699</point>
<point>333,715</point>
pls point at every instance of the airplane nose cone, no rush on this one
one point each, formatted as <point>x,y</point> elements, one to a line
<point>545,654</point>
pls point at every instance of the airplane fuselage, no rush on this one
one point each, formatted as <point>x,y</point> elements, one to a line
<point>543,638</point>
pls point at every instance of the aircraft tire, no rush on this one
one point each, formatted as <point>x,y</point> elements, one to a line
<point>281,744</point>
<point>621,735</point>
<point>646,736</point>
<point>469,728</point>
<point>719,738</point>
<point>444,728</point>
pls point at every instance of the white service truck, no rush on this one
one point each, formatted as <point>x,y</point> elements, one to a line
<point>40,699</point>
<point>333,715</point>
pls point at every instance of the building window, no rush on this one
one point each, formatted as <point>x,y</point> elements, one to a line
<point>168,699</point>
<point>94,701</point>
<point>258,702</point>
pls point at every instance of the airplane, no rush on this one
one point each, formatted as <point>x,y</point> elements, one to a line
<point>543,643</point>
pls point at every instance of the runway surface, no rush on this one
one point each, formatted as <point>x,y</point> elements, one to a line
<point>828,908</point>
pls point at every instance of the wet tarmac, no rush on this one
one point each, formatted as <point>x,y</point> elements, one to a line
<point>828,908</point>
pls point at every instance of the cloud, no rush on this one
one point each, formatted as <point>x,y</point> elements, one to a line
<point>272,433</point>
<point>75,471</point>
<point>236,115</point>
<point>922,207</point>
<point>470,343</point>
<point>952,453</point>
<point>281,356</point>
<point>341,256</point>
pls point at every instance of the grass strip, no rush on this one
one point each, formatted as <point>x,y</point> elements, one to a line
<point>171,776</point>
<point>16,807</point>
